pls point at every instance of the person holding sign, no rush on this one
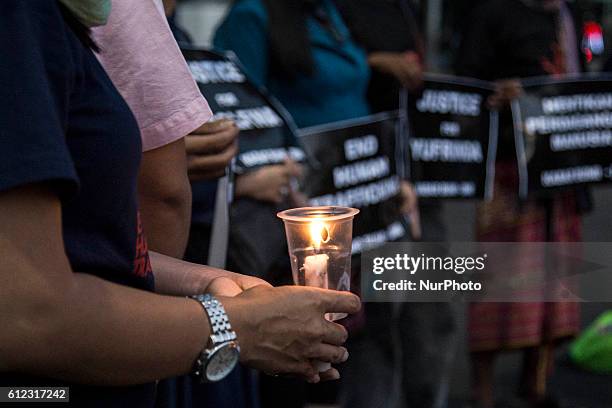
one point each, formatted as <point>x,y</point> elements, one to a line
<point>389,32</point>
<point>303,53</point>
<point>508,39</point>
<point>76,271</point>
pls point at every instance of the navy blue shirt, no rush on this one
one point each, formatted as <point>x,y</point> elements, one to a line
<point>63,124</point>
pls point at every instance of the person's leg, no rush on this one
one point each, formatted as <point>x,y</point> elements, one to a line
<point>368,375</point>
<point>483,378</point>
<point>427,338</point>
<point>537,366</point>
<point>427,334</point>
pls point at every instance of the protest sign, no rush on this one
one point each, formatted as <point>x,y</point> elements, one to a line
<point>563,133</point>
<point>452,138</point>
<point>267,134</point>
<point>354,165</point>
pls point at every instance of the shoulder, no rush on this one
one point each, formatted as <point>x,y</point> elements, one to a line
<point>246,21</point>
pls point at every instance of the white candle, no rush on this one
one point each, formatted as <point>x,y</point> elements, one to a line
<point>315,274</point>
<point>315,271</point>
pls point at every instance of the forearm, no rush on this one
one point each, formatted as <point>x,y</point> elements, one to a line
<point>180,278</point>
<point>97,332</point>
<point>374,59</point>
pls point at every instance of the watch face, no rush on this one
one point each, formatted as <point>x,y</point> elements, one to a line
<point>222,361</point>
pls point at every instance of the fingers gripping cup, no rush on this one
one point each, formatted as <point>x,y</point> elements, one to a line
<point>320,241</point>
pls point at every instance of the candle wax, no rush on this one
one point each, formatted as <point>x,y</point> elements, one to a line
<point>315,271</point>
<point>315,274</point>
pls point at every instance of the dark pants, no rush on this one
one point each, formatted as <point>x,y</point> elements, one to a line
<point>402,357</point>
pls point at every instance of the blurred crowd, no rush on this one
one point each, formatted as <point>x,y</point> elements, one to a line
<point>324,61</point>
<point>333,60</point>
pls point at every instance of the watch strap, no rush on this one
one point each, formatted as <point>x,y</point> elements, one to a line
<point>221,329</point>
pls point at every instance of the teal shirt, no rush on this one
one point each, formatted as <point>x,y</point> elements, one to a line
<point>337,89</point>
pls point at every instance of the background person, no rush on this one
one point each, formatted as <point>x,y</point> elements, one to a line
<point>400,342</point>
<point>303,53</point>
<point>505,40</point>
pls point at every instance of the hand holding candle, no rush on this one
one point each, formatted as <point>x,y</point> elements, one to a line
<point>320,240</point>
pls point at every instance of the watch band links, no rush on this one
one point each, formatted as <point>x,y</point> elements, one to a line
<point>221,329</point>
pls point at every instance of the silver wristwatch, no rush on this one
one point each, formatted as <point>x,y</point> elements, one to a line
<point>221,355</point>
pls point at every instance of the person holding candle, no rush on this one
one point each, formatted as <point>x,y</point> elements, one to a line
<point>303,53</point>
<point>78,275</point>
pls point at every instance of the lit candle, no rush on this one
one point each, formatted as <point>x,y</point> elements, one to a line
<point>315,266</point>
<point>315,269</point>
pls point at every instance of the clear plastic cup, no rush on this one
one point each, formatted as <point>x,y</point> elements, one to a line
<point>320,241</point>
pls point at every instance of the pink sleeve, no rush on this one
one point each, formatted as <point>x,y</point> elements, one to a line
<point>144,62</point>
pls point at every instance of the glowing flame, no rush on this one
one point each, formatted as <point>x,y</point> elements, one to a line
<point>319,233</point>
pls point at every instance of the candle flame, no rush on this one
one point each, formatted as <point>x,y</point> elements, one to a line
<point>319,233</point>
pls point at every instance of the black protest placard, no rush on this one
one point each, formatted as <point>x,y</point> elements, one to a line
<point>266,131</point>
<point>563,133</point>
<point>353,164</point>
<point>452,138</point>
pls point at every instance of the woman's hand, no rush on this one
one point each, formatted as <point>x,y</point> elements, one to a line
<point>410,208</point>
<point>269,183</point>
<point>210,149</point>
<point>406,67</point>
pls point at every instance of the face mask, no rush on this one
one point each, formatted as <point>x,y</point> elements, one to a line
<point>91,13</point>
